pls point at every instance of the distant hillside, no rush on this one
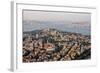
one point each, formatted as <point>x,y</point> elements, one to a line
<point>49,29</point>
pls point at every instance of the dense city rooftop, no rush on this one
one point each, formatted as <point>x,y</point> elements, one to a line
<point>55,45</point>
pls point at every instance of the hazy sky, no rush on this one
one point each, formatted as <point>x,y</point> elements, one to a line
<point>56,16</point>
<point>78,22</point>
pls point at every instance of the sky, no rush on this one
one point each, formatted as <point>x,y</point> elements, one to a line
<point>66,21</point>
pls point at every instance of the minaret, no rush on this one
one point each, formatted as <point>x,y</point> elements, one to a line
<point>37,36</point>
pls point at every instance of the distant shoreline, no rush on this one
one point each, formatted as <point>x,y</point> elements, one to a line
<point>59,31</point>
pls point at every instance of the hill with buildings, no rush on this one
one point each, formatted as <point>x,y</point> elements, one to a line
<point>55,45</point>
